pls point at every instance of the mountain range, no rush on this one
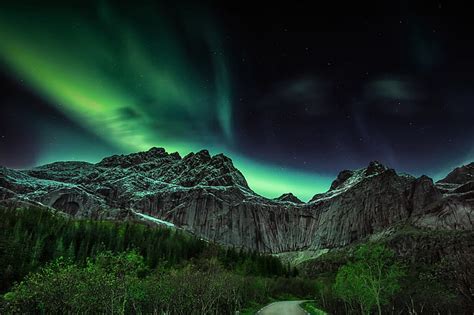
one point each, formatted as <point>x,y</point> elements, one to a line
<point>208,197</point>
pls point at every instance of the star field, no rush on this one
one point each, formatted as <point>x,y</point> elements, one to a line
<point>292,97</point>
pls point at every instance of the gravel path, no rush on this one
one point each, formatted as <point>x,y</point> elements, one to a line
<point>283,308</point>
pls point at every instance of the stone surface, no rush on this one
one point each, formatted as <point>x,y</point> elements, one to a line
<point>289,197</point>
<point>207,196</point>
<point>460,175</point>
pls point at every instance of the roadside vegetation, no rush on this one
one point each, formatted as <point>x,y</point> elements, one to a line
<point>371,279</point>
<point>52,264</point>
<point>312,309</point>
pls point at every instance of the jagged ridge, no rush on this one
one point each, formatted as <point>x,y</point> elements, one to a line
<point>209,197</point>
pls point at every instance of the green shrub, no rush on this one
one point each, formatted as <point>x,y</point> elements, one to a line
<point>371,280</point>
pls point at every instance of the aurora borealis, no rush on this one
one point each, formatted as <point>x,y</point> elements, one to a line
<point>290,107</point>
<point>104,77</point>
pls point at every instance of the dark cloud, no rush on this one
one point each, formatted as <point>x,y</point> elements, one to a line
<point>306,96</point>
<point>394,89</point>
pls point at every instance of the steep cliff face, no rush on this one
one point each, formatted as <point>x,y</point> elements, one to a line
<point>209,197</point>
<point>447,204</point>
<point>367,202</point>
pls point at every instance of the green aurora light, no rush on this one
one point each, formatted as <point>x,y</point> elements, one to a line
<point>135,85</point>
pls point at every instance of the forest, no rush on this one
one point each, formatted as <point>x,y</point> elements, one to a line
<point>52,264</point>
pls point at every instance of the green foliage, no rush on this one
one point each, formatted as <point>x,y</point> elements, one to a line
<point>122,284</point>
<point>30,238</point>
<point>251,309</point>
<point>69,266</point>
<point>371,280</point>
<point>439,273</point>
<point>312,308</point>
<point>107,284</point>
<point>422,293</point>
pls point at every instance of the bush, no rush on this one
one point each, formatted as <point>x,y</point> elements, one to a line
<point>122,283</point>
<point>371,280</point>
<point>31,238</point>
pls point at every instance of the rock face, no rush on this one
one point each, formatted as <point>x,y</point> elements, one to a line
<point>460,175</point>
<point>206,195</point>
<point>289,197</point>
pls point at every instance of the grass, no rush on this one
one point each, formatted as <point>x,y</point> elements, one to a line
<point>252,309</point>
<point>311,308</point>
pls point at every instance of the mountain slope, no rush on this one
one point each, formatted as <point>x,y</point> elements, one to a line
<point>209,197</point>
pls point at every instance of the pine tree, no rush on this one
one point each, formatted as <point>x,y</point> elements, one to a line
<point>59,251</point>
<point>70,253</point>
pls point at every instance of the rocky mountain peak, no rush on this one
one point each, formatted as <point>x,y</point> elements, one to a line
<point>374,168</point>
<point>289,197</point>
<point>460,175</point>
<point>133,159</point>
<point>156,151</point>
<point>209,197</point>
<point>223,162</point>
<point>341,178</point>
<point>200,157</point>
<point>203,155</point>
<point>175,155</point>
<point>201,168</point>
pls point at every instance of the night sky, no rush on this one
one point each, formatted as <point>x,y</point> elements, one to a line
<point>292,94</point>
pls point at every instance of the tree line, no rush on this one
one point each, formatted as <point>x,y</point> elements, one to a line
<point>372,279</point>
<point>32,237</point>
<point>50,263</point>
<point>122,283</point>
